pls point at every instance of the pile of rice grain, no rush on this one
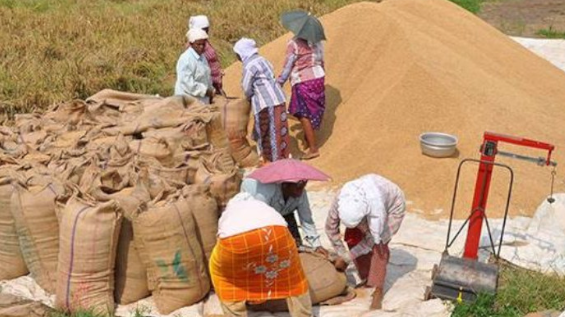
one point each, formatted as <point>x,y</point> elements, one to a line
<point>402,67</point>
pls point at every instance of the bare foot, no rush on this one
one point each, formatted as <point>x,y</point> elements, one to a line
<point>377,302</point>
<point>310,155</point>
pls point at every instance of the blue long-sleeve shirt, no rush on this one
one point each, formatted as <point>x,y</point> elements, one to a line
<point>272,195</point>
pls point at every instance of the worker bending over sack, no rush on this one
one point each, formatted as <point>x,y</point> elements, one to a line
<point>256,259</point>
<point>372,209</point>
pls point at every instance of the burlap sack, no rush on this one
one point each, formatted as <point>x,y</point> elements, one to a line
<point>27,122</point>
<point>190,159</point>
<point>91,172</point>
<point>130,275</point>
<point>162,113</point>
<point>34,212</point>
<point>159,149</point>
<point>216,134</point>
<point>235,115</point>
<point>206,214</point>
<point>243,153</point>
<point>89,234</point>
<point>196,136</point>
<point>187,137</point>
<point>324,282</point>
<point>14,306</point>
<point>117,98</point>
<point>235,120</point>
<point>12,263</point>
<point>74,169</point>
<point>223,178</point>
<point>177,175</point>
<point>168,247</point>
<point>70,112</point>
<point>33,139</point>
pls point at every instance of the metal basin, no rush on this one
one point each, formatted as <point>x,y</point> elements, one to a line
<point>437,144</point>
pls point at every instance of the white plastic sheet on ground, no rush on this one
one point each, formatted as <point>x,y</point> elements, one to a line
<point>537,242</point>
<point>549,49</point>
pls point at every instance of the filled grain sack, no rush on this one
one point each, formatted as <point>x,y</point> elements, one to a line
<point>159,149</point>
<point>189,136</point>
<point>177,174</point>
<point>216,134</point>
<point>118,98</point>
<point>243,153</point>
<point>130,273</point>
<point>34,211</point>
<point>191,159</point>
<point>206,214</point>
<point>235,120</point>
<point>324,282</point>
<point>70,112</point>
<point>161,113</point>
<point>89,234</point>
<point>12,263</point>
<point>219,172</point>
<point>176,271</point>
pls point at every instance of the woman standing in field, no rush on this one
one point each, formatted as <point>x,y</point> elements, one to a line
<point>267,101</point>
<point>304,64</point>
<point>202,22</point>
<point>193,72</point>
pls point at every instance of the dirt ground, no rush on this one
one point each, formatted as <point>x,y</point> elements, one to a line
<point>524,17</point>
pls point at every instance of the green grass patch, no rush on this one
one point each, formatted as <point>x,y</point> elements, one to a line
<point>56,51</point>
<point>551,33</point>
<point>520,292</point>
<point>473,6</point>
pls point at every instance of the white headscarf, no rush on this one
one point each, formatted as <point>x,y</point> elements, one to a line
<point>245,213</point>
<point>360,199</point>
<point>198,22</point>
<point>353,204</point>
<point>194,35</point>
<point>245,48</point>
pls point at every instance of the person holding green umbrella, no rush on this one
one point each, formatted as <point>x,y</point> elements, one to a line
<point>304,66</point>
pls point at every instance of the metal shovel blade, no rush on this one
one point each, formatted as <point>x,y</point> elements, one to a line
<point>459,278</point>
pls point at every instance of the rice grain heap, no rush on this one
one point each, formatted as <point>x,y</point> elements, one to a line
<point>402,67</point>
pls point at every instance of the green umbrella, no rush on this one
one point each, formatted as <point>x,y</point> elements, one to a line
<point>303,25</point>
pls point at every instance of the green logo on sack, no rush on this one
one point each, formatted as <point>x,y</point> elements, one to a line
<point>179,271</point>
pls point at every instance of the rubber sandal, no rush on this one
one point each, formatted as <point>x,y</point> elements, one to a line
<point>310,156</point>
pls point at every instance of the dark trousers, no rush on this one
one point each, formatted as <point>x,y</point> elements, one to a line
<point>293,228</point>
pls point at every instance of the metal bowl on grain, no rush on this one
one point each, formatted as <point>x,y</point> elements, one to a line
<point>437,144</point>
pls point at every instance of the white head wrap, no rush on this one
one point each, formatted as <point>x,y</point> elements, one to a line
<point>245,48</point>
<point>194,35</point>
<point>359,199</point>
<point>353,204</point>
<point>243,196</point>
<point>245,213</point>
<point>198,22</point>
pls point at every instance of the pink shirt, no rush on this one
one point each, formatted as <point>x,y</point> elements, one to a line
<point>303,62</point>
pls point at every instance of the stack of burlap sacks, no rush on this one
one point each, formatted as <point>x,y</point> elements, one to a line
<point>118,197</point>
